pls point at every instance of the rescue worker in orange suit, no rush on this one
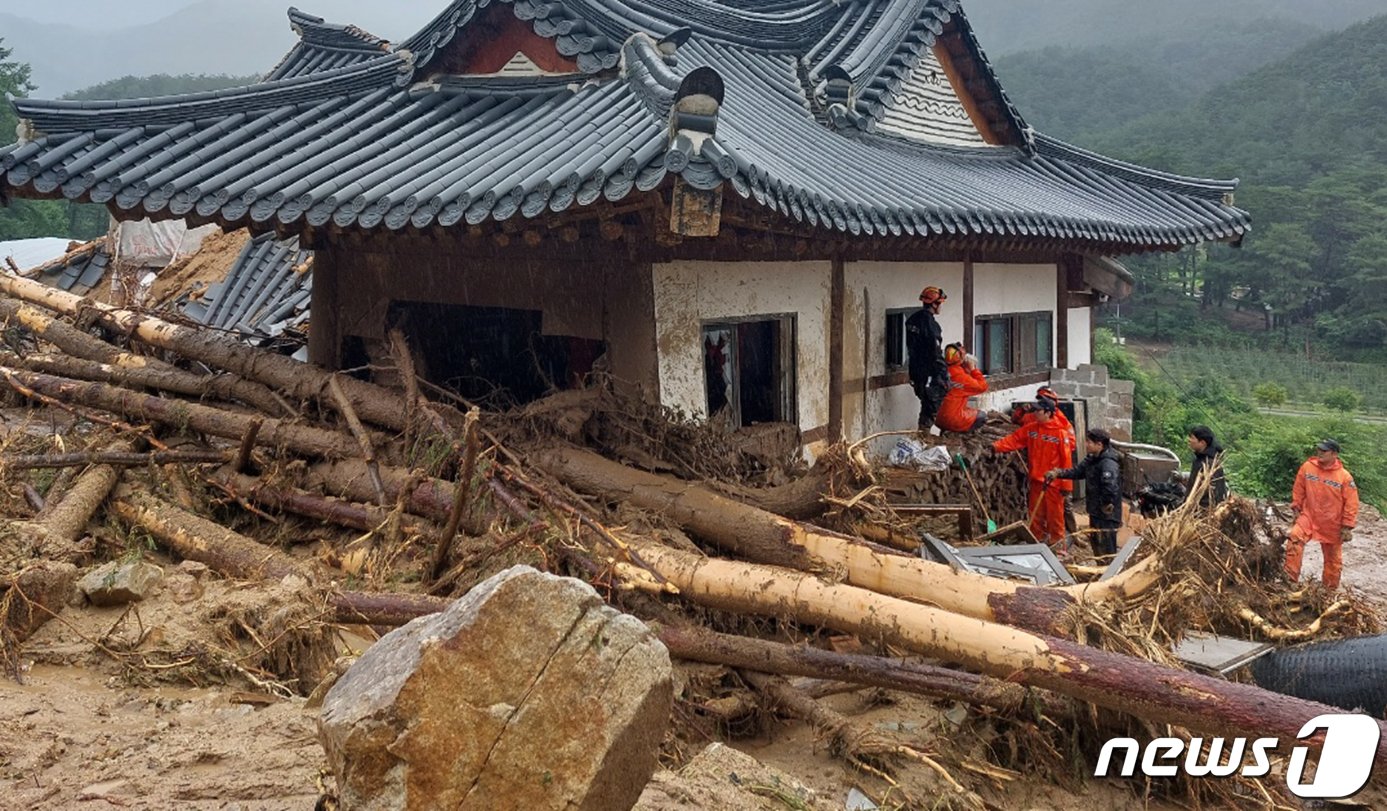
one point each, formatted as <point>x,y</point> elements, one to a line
<point>1325,499</point>
<point>924,340</point>
<point>965,380</point>
<point>1049,444</point>
<point>1066,487</point>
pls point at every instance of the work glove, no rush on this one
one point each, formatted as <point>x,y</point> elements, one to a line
<point>1050,476</point>
<point>1345,534</point>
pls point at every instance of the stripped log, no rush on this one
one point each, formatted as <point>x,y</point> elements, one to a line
<point>768,538</point>
<point>302,381</point>
<point>193,537</point>
<point>181,414</point>
<point>94,359</point>
<point>1149,691</point>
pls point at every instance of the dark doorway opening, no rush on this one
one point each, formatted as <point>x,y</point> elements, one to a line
<point>749,370</point>
<point>495,355</point>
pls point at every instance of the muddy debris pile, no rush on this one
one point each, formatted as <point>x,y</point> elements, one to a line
<point>284,506</point>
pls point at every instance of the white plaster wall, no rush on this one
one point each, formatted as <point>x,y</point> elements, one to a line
<point>1080,336</point>
<point>1000,289</point>
<point>687,294</point>
<point>872,288</point>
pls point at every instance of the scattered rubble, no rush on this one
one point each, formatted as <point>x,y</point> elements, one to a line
<point>120,582</point>
<point>313,511</point>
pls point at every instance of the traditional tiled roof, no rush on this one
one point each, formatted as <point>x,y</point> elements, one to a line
<point>325,46</point>
<point>265,293</point>
<point>78,271</point>
<point>818,110</point>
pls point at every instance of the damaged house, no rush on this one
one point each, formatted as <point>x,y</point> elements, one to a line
<point>731,205</point>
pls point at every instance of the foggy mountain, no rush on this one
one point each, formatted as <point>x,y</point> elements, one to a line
<point>72,44</point>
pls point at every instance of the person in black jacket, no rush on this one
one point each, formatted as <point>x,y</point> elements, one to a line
<point>1207,456</point>
<point>1102,474</point>
<point>924,340</point>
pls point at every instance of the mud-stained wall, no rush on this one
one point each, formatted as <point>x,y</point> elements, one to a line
<point>688,294</point>
<point>872,289</point>
<point>608,301</point>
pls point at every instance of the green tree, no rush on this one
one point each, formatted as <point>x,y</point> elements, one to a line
<point>22,218</point>
<point>1342,398</point>
<point>1270,394</point>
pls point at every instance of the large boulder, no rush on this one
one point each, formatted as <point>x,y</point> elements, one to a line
<point>120,582</point>
<point>529,692</point>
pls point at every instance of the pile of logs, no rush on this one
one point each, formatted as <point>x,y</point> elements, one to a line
<point>173,411</point>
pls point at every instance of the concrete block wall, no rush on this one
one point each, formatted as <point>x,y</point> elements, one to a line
<point>1109,400</point>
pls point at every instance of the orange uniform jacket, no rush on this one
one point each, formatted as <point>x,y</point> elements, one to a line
<point>954,413</point>
<point>1049,445</point>
<point>1327,499</point>
<point>1065,485</point>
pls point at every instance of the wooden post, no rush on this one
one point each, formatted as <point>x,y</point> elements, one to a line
<point>324,340</point>
<point>836,322</point>
<point>1066,268</point>
<point>968,304</point>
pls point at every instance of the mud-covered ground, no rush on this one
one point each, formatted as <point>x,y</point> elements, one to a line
<point>84,731</point>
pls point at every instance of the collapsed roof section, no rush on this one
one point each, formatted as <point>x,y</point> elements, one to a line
<point>264,296</point>
<point>868,117</point>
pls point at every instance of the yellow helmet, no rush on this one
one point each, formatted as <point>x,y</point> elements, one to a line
<point>954,354</point>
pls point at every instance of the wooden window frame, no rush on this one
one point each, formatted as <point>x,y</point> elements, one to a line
<point>903,313</point>
<point>789,362</point>
<point>1016,353</point>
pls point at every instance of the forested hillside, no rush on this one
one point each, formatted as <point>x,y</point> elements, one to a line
<point>59,218</point>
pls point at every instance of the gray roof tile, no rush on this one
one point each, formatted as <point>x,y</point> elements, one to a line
<point>370,145</point>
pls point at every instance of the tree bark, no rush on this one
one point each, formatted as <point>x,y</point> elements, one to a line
<point>350,479</point>
<point>362,608</point>
<point>275,433</point>
<point>768,538</point>
<point>300,381</point>
<point>103,359</point>
<point>344,513</point>
<point>195,538</point>
<point>33,461</point>
<point>701,645</point>
<point>1153,692</point>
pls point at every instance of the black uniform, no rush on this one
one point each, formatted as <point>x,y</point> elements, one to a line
<point>1212,457</point>
<point>1102,475</point>
<point>929,375</point>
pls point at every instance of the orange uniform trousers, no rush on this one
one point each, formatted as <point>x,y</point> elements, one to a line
<point>1333,557</point>
<point>1047,512</point>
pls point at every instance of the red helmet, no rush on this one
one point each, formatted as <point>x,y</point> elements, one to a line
<point>932,294</point>
<point>1047,393</point>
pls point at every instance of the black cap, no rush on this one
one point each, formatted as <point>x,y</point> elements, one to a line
<point>1045,405</point>
<point>1098,435</point>
<point>1327,445</point>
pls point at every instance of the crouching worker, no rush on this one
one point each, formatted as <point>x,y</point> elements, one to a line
<point>965,380</point>
<point>1101,471</point>
<point>1048,445</point>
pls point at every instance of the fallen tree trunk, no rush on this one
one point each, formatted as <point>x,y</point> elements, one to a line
<point>67,520</point>
<point>801,499</point>
<point>324,508</point>
<point>302,381</point>
<point>768,538</point>
<point>702,645</point>
<point>351,479</point>
<point>195,538</point>
<point>392,610</point>
<point>104,362</point>
<point>1149,691</point>
<point>34,461</point>
<point>274,433</point>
